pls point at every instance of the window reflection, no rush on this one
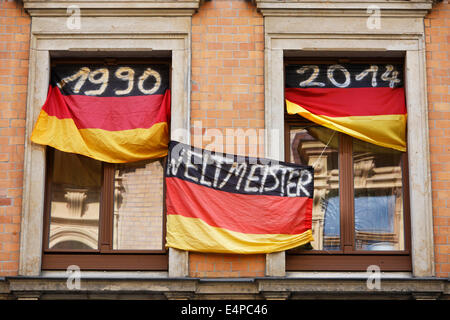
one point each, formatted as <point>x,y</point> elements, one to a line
<point>138,206</point>
<point>378,197</point>
<point>318,147</point>
<point>75,201</point>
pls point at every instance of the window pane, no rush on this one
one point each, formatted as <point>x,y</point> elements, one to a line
<point>378,197</point>
<point>138,206</point>
<point>318,147</point>
<point>75,201</point>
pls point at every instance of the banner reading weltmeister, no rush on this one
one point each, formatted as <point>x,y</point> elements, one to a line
<point>231,204</point>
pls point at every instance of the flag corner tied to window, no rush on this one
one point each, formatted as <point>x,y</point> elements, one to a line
<point>111,113</point>
<point>365,101</point>
<point>224,203</point>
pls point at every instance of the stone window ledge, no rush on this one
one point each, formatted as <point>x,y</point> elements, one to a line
<point>240,288</point>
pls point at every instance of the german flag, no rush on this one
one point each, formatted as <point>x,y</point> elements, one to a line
<point>362,100</point>
<point>230,204</point>
<point>114,114</point>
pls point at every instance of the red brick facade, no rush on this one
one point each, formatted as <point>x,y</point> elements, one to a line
<point>227,93</point>
<point>14,53</point>
<point>437,29</point>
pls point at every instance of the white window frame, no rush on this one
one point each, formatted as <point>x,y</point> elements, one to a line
<point>130,27</point>
<point>314,27</point>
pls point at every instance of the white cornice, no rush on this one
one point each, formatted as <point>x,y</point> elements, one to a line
<point>113,7</point>
<point>342,7</point>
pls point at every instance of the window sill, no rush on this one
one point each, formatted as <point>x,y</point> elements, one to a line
<point>345,275</point>
<point>110,275</point>
<point>336,286</point>
<point>110,262</point>
<point>327,262</point>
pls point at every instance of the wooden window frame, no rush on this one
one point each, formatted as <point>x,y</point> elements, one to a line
<point>348,258</point>
<point>105,258</point>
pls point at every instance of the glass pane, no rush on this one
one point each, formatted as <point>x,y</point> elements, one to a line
<point>138,206</point>
<point>378,197</point>
<point>318,147</point>
<point>75,201</point>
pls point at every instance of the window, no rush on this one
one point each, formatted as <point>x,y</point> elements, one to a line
<point>109,36</point>
<point>290,35</point>
<point>100,215</point>
<point>361,205</point>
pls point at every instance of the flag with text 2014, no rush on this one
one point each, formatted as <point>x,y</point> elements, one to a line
<point>365,101</point>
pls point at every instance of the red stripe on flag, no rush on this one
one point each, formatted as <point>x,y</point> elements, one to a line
<point>256,214</point>
<point>109,113</point>
<point>345,102</point>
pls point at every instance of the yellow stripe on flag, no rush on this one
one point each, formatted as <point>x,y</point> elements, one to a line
<point>193,234</point>
<point>109,146</point>
<point>383,130</point>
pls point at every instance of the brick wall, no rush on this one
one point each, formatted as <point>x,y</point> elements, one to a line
<point>227,95</point>
<point>437,29</point>
<point>14,48</point>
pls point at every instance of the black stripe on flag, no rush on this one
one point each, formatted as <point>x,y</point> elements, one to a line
<point>120,80</point>
<point>344,76</point>
<point>239,174</point>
